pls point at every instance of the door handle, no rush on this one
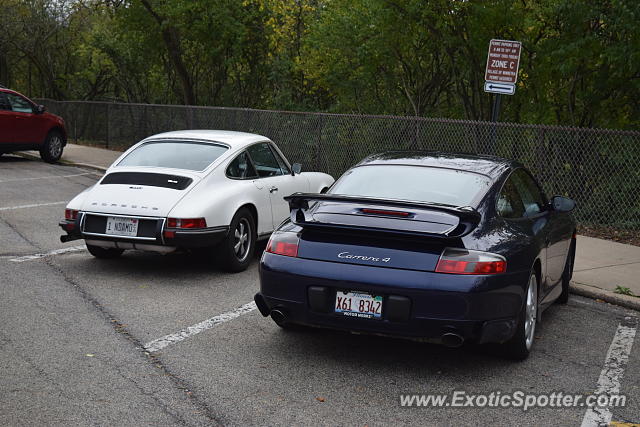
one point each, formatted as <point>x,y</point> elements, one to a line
<point>273,189</point>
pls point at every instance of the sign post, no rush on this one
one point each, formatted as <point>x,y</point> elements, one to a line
<point>501,74</point>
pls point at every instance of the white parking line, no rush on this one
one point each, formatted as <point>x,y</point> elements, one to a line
<point>48,177</point>
<point>612,373</point>
<point>167,340</point>
<point>50,253</point>
<point>9,208</point>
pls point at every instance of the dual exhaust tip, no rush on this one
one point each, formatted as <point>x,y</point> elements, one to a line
<point>451,339</point>
<point>279,317</point>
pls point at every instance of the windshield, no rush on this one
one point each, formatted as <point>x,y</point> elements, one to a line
<point>194,156</point>
<point>413,183</point>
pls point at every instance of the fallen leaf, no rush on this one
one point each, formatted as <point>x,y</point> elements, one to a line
<point>320,399</point>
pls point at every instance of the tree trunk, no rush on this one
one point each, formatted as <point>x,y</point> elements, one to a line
<point>171,38</point>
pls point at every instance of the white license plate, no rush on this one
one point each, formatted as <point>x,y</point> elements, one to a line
<point>122,226</point>
<point>358,304</point>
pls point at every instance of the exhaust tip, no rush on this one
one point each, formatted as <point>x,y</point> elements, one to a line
<point>278,317</point>
<point>452,340</point>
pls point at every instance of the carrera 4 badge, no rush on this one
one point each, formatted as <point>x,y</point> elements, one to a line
<point>347,255</point>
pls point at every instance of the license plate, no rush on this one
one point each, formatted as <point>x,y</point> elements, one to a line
<point>122,226</point>
<point>358,304</point>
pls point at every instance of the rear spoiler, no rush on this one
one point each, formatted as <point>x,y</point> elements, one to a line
<point>299,205</point>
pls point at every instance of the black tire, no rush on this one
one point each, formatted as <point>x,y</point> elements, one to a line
<point>567,274</point>
<point>51,150</point>
<point>104,253</point>
<point>520,345</point>
<point>236,250</point>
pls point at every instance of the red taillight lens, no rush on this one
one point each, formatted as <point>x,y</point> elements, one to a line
<point>186,223</point>
<point>462,261</point>
<point>283,243</point>
<point>70,214</point>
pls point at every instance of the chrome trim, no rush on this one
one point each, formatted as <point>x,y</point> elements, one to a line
<point>123,215</point>
<point>82,220</point>
<point>116,236</point>
<point>208,230</point>
<point>164,221</point>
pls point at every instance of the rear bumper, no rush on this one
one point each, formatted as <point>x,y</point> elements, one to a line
<point>417,304</point>
<point>160,240</point>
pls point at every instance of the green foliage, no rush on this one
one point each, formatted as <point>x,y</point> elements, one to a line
<point>580,60</point>
<point>623,291</point>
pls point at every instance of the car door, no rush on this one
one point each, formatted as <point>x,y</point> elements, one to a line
<point>536,206</point>
<point>6,121</point>
<point>530,224</point>
<point>241,169</point>
<point>287,184</point>
<point>26,123</point>
<point>274,178</point>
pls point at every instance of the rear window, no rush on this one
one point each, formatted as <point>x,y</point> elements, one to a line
<point>186,155</point>
<point>413,183</point>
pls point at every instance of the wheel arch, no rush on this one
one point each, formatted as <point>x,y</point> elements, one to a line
<point>254,211</point>
<point>62,132</point>
<point>537,269</point>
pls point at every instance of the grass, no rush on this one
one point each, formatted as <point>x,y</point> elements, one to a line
<point>624,291</point>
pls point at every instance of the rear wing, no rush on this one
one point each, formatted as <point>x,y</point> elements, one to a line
<point>299,204</point>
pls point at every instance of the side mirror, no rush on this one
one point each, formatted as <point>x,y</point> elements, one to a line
<point>562,204</point>
<point>296,168</point>
<point>40,109</point>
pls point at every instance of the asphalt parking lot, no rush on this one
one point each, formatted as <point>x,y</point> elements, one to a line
<point>169,340</point>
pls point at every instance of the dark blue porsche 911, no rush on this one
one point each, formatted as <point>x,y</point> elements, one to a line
<point>440,247</point>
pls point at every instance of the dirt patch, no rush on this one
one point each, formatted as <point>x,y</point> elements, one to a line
<point>629,237</point>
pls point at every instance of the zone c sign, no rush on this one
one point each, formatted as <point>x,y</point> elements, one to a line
<point>503,61</point>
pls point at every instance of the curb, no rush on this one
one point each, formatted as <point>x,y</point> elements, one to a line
<point>64,162</point>
<point>625,301</point>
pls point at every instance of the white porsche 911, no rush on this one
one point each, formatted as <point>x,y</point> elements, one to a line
<point>213,191</point>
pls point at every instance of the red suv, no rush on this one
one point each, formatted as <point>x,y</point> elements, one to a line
<point>24,125</point>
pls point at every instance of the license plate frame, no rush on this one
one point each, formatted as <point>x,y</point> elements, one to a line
<point>122,226</point>
<point>347,303</point>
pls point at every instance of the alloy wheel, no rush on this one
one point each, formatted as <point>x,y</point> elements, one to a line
<point>242,241</point>
<point>531,312</point>
<point>55,146</point>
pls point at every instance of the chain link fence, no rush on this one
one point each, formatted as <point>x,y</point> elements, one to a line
<point>599,168</point>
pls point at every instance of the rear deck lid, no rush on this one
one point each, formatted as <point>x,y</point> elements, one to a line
<point>138,193</point>
<point>382,233</point>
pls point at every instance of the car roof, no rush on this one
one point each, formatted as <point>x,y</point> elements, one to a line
<point>490,166</point>
<point>7,90</point>
<point>231,138</point>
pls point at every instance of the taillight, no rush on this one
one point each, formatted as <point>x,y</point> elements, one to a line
<point>462,261</point>
<point>186,223</point>
<point>283,243</point>
<point>70,214</point>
